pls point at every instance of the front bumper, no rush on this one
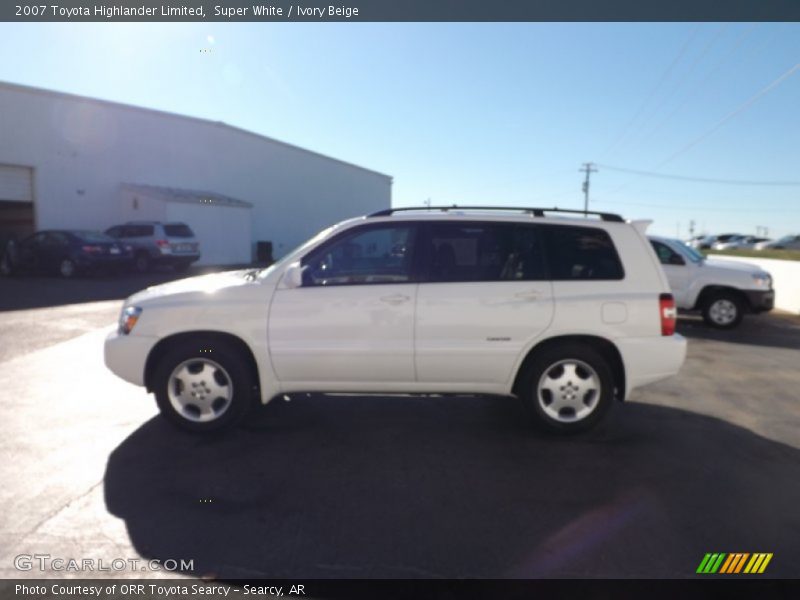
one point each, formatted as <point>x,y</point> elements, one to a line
<point>760,300</point>
<point>126,355</point>
<point>651,359</point>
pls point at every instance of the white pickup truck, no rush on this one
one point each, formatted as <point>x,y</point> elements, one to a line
<point>723,291</point>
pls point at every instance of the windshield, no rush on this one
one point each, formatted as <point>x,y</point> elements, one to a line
<point>689,252</point>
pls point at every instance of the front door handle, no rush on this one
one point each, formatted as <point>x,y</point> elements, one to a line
<point>529,295</point>
<point>395,299</point>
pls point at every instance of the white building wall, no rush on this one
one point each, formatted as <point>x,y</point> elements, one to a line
<point>82,150</point>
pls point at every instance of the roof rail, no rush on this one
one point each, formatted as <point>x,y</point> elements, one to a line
<point>534,211</point>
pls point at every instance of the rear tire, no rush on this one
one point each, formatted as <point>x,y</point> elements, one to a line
<point>723,310</point>
<point>567,388</point>
<point>141,262</point>
<point>204,385</point>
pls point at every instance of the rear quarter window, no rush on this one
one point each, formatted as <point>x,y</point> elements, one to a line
<point>134,231</point>
<point>178,230</point>
<point>581,253</point>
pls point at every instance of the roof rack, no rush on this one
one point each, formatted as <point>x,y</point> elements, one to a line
<point>534,211</point>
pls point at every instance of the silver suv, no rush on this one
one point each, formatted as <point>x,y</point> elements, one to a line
<point>156,243</point>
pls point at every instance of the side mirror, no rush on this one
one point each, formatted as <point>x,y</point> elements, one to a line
<point>293,276</point>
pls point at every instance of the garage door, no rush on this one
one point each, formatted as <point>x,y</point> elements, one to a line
<point>16,183</point>
<point>223,231</point>
<point>16,202</point>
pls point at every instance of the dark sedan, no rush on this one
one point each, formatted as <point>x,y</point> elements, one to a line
<point>65,253</point>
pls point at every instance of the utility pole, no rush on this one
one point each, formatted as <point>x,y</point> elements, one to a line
<point>587,168</point>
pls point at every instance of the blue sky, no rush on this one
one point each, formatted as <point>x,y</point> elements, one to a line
<point>477,113</point>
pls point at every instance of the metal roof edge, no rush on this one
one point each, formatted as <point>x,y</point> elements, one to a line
<point>71,96</point>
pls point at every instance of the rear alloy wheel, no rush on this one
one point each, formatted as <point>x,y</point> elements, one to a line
<point>204,385</point>
<point>567,388</point>
<point>723,311</point>
<point>142,262</point>
<point>67,268</point>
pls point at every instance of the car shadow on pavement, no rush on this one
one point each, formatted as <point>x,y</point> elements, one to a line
<point>403,487</point>
<point>33,291</point>
<point>776,331</point>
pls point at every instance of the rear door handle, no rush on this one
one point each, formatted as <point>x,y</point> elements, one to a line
<point>395,299</point>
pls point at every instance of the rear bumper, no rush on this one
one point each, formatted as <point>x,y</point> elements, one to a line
<point>651,359</point>
<point>126,355</point>
<point>760,300</point>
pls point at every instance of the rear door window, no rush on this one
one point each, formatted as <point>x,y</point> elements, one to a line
<point>581,253</point>
<point>136,231</point>
<point>178,230</point>
<point>483,251</point>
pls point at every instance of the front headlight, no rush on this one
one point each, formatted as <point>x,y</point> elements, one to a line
<point>128,318</point>
<point>763,280</point>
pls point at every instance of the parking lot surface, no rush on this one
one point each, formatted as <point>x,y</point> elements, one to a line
<point>356,486</point>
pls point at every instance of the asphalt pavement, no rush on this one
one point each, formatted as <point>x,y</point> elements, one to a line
<point>354,486</point>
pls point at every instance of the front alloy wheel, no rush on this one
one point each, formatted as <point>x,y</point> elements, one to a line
<point>66,268</point>
<point>200,390</point>
<point>204,384</point>
<point>723,311</point>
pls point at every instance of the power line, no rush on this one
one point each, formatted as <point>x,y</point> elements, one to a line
<point>730,115</point>
<point>701,207</point>
<point>653,91</point>
<point>665,98</point>
<point>700,179</point>
<point>693,92</point>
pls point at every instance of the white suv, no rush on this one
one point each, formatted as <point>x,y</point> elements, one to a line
<point>723,291</point>
<point>566,314</point>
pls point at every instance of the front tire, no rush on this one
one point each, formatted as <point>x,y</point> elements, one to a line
<point>6,270</point>
<point>567,388</point>
<point>204,385</point>
<point>723,310</point>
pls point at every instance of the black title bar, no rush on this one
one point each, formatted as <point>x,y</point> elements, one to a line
<point>399,10</point>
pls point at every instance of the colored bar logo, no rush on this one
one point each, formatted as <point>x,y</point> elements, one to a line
<point>736,562</point>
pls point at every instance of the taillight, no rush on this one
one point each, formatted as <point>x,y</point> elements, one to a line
<point>668,312</point>
<point>163,246</point>
<point>91,249</point>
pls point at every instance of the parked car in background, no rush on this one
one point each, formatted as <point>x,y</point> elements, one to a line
<point>66,253</point>
<point>787,242</point>
<point>569,315</point>
<point>744,242</point>
<point>707,242</point>
<point>694,241</point>
<point>723,291</point>
<point>156,243</point>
